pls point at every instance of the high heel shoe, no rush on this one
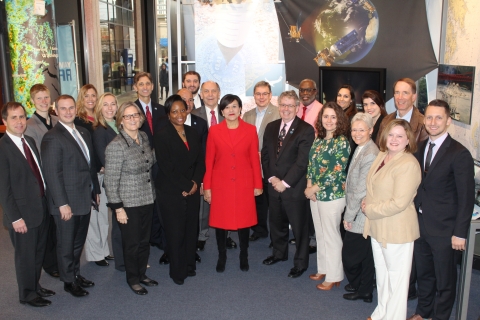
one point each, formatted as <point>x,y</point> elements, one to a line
<point>317,276</point>
<point>323,287</point>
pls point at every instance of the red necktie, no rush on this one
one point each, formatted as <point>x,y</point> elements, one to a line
<point>304,111</point>
<point>149,119</point>
<point>214,119</point>
<point>33,166</point>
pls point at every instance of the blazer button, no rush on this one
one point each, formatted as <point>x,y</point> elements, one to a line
<point>233,154</point>
<point>143,151</point>
<point>148,170</point>
<point>233,168</point>
<point>148,180</point>
<point>146,161</point>
<point>233,179</point>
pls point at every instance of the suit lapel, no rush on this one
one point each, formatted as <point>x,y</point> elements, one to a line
<point>225,135</point>
<point>267,117</point>
<point>438,156</point>
<point>240,133</point>
<point>72,140</point>
<point>291,132</point>
<point>17,153</point>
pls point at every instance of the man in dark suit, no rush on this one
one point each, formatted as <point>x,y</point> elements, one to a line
<point>71,178</point>
<point>143,85</point>
<point>286,146</point>
<point>22,197</point>
<point>444,203</point>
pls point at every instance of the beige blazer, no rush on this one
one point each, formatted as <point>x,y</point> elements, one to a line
<point>270,115</point>
<point>391,214</point>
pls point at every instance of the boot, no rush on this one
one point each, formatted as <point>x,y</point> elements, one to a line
<point>222,260</point>
<point>244,260</point>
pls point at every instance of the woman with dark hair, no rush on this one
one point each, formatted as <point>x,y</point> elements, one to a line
<point>232,178</point>
<point>374,105</point>
<point>346,100</point>
<point>326,175</point>
<point>181,168</point>
<point>163,80</point>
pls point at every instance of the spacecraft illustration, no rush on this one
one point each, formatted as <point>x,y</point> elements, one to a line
<point>347,43</point>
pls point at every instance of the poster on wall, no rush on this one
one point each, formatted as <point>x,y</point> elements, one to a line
<point>67,64</point>
<point>455,85</point>
<point>236,43</point>
<point>33,50</point>
<point>355,33</point>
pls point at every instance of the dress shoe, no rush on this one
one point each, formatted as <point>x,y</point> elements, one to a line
<point>197,257</point>
<point>179,282</point>
<point>323,287</point>
<point>415,317</point>
<point>231,244</point>
<point>164,259</point>
<point>109,257</point>
<point>367,297</point>
<point>272,260</point>
<point>296,272</point>
<point>200,245</point>
<point>317,276</point>
<point>349,288</point>
<point>292,241</point>
<point>84,283</point>
<point>253,238</point>
<point>244,262</point>
<point>412,296</point>
<point>38,302</point>
<point>312,249</point>
<point>138,289</point>
<point>221,264</point>
<point>74,289</point>
<point>192,273</point>
<point>102,263</point>
<point>45,293</point>
<point>54,273</point>
<point>149,282</point>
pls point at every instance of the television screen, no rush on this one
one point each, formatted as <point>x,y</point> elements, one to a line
<point>361,79</point>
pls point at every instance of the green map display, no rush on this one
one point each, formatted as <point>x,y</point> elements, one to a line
<point>33,50</point>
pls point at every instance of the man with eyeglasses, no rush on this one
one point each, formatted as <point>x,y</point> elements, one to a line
<point>264,113</point>
<point>286,146</point>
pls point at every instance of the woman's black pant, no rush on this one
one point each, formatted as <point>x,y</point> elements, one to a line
<point>135,240</point>
<point>358,265</point>
<point>221,235</point>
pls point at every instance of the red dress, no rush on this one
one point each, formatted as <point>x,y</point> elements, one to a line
<point>232,173</point>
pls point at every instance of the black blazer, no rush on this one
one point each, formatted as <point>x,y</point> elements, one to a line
<point>19,191</point>
<point>89,126</point>
<point>178,165</point>
<point>68,175</point>
<point>101,138</point>
<point>157,111</point>
<point>292,161</point>
<point>376,127</point>
<point>447,193</point>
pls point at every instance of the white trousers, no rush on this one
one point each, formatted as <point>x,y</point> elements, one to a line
<point>392,267</point>
<point>96,244</point>
<point>326,219</point>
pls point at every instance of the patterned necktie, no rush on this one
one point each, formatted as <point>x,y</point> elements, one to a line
<point>80,144</point>
<point>148,114</point>
<point>281,136</point>
<point>213,121</point>
<point>429,157</point>
<point>304,112</point>
<point>33,165</point>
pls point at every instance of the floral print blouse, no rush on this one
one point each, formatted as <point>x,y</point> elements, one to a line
<point>327,167</point>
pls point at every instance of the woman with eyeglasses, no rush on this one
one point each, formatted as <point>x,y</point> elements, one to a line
<point>130,192</point>
<point>326,175</point>
<point>357,254</point>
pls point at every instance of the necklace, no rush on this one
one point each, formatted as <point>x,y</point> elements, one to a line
<point>181,133</point>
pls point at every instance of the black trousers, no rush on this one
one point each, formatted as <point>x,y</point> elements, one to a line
<point>29,253</point>
<point>281,214</point>
<point>436,264</point>
<point>71,236</point>
<point>135,240</point>
<point>358,265</point>
<point>221,235</point>
<point>117,246</point>
<point>50,263</point>
<point>181,229</point>
<point>261,202</point>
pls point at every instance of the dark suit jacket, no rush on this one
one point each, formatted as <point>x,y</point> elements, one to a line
<point>101,138</point>
<point>446,194</point>
<point>19,191</point>
<point>292,161</point>
<point>68,175</point>
<point>202,113</point>
<point>157,111</point>
<point>178,165</point>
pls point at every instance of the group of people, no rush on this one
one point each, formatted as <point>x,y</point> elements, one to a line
<point>383,199</point>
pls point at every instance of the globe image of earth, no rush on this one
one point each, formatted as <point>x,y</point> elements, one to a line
<point>342,31</point>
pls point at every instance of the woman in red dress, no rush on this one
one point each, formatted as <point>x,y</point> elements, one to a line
<point>232,178</point>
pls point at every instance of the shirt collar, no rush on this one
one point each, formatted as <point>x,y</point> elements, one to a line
<point>439,141</point>
<point>69,129</point>
<point>15,139</point>
<point>406,117</point>
<point>259,113</point>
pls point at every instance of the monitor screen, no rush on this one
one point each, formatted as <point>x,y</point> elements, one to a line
<point>361,79</point>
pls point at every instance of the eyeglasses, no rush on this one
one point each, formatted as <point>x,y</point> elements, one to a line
<point>130,116</point>
<point>307,90</point>
<point>287,105</point>
<point>359,130</point>
<point>262,94</point>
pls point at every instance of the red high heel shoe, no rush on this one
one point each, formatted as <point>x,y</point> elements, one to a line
<point>321,286</point>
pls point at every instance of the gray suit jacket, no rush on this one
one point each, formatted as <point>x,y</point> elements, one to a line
<point>36,129</point>
<point>128,172</point>
<point>356,185</point>
<point>69,177</point>
<point>271,114</point>
<point>202,113</point>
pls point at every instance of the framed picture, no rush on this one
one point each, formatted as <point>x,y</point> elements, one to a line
<point>455,85</point>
